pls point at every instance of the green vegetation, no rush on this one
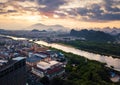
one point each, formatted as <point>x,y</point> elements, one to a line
<point>92,35</point>
<point>81,71</point>
<point>85,72</point>
<point>96,47</point>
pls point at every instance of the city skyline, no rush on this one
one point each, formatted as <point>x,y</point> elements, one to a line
<point>19,14</point>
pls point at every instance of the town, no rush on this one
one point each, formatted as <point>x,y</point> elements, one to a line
<point>23,57</point>
<point>24,62</point>
<point>59,42</point>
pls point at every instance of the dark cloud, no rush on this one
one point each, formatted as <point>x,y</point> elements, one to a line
<point>109,16</point>
<point>109,3</point>
<point>45,7</point>
<point>60,14</point>
<point>82,11</point>
<point>17,7</point>
<point>11,11</point>
<point>104,11</point>
<point>72,12</point>
<point>8,11</point>
<point>93,12</point>
<point>50,5</point>
<point>96,13</point>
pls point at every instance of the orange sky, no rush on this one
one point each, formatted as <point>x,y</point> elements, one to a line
<point>19,14</point>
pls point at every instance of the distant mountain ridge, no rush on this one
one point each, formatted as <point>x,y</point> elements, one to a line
<point>92,35</point>
<point>112,31</point>
<point>41,27</point>
<point>35,30</point>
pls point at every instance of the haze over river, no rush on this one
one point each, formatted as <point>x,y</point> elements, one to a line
<point>109,60</point>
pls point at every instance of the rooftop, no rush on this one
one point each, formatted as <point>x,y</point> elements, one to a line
<point>45,65</point>
<point>42,55</point>
<point>18,58</point>
<point>6,64</point>
<point>33,59</point>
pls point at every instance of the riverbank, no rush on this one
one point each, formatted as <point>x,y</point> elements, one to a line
<point>80,70</point>
<point>109,60</point>
<point>107,49</point>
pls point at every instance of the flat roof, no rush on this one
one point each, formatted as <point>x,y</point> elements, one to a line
<point>33,59</point>
<point>3,61</point>
<point>45,65</point>
<point>18,58</point>
<point>11,62</point>
<point>41,55</point>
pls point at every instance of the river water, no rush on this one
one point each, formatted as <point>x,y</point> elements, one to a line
<point>109,60</point>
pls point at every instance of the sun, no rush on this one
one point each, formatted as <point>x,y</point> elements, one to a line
<point>31,18</point>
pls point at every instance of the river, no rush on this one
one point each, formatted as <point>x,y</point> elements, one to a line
<point>109,60</point>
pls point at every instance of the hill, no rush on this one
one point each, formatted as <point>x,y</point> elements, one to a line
<point>50,28</point>
<point>92,35</point>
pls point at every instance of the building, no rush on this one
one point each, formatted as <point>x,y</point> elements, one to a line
<point>13,71</point>
<point>50,69</point>
<point>56,55</point>
<point>31,61</point>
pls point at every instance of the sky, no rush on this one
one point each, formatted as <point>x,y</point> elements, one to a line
<point>19,14</point>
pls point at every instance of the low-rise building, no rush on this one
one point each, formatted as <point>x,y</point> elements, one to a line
<point>50,69</point>
<point>37,57</point>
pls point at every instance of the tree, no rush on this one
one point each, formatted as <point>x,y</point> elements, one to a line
<point>45,80</point>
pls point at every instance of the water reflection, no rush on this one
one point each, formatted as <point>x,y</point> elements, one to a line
<point>92,56</point>
<point>109,60</point>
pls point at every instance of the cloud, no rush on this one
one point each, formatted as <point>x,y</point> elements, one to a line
<point>105,11</point>
<point>8,11</point>
<point>3,1</point>
<point>45,7</point>
<point>100,10</point>
<point>111,5</point>
<point>50,5</point>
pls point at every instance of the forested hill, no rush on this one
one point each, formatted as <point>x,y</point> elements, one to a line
<point>92,35</point>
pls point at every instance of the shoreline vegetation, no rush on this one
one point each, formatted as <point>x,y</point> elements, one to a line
<point>106,49</point>
<point>82,71</point>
